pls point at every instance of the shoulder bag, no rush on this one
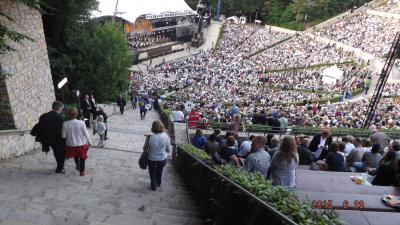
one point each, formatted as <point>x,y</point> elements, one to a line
<point>144,160</point>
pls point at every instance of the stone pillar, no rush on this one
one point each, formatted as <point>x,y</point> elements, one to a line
<point>29,86</point>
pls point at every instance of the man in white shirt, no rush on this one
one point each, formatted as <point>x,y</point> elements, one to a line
<point>178,116</point>
<point>245,147</point>
<point>349,146</point>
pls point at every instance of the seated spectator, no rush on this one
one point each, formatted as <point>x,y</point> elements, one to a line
<point>274,146</point>
<point>211,146</point>
<point>348,141</point>
<point>245,147</point>
<point>284,163</point>
<point>357,153</point>
<point>319,144</point>
<point>177,115</point>
<point>305,155</point>
<point>194,119</point>
<point>236,124</point>
<point>335,160</point>
<point>269,138</point>
<point>228,153</point>
<point>199,139</point>
<point>385,175</point>
<point>259,160</point>
<point>217,133</point>
<point>370,160</point>
<point>396,148</point>
<point>222,143</point>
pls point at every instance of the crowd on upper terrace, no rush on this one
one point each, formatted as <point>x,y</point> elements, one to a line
<point>369,33</point>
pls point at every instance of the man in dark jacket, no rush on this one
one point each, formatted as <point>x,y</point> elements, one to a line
<point>305,155</point>
<point>319,144</point>
<point>121,102</point>
<point>87,108</point>
<point>49,133</point>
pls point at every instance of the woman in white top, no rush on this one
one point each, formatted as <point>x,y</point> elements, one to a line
<point>77,140</point>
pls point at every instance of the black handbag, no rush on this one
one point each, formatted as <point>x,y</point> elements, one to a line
<point>144,160</point>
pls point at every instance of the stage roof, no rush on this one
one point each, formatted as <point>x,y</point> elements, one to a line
<point>131,9</point>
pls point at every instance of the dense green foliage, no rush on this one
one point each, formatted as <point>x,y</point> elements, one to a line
<point>94,56</point>
<point>281,198</point>
<point>286,13</point>
<point>102,62</point>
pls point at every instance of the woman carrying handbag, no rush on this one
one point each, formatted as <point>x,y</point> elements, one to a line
<point>157,147</point>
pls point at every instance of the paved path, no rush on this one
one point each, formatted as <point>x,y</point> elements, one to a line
<point>113,192</point>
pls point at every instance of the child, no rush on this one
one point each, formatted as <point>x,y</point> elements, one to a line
<point>101,130</point>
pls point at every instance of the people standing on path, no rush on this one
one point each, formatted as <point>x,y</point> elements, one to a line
<point>101,112</point>
<point>48,132</point>
<point>86,107</point>
<point>93,112</point>
<point>121,103</point>
<point>142,107</point>
<point>101,130</point>
<point>134,100</point>
<point>158,149</point>
<point>77,140</point>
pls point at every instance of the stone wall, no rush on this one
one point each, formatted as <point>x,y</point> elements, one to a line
<point>16,143</point>
<point>28,88</point>
<point>29,84</point>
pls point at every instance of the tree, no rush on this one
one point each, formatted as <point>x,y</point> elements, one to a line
<point>62,23</point>
<point>101,66</point>
<point>299,7</point>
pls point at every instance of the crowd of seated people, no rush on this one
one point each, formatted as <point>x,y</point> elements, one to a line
<point>370,33</point>
<point>146,40</point>
<point>277,159</point>
<point>390,6</point>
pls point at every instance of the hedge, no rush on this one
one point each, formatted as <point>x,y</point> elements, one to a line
<point>268,47</point>
<point>281,198</point>
<point>308,67</point>
<point>220,32</point>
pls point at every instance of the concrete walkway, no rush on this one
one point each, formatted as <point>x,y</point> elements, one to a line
<point>115,191</point>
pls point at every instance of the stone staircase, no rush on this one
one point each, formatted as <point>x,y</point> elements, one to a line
<point>115,191</point>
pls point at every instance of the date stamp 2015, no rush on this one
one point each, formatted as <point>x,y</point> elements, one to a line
<point>329,204</point>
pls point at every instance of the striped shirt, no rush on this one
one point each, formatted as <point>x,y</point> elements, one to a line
<point>258,161</point>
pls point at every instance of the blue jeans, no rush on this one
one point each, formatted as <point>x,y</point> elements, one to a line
<point>359,166</point>
<point>155,172</point>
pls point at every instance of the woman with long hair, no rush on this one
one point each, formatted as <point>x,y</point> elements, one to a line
<point>284,163</point>
<point>77,140</point>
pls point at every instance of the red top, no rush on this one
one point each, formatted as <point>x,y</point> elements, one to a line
<point>194,118</point>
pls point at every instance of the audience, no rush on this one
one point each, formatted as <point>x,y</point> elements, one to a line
<point>370,159</point>
<point>258,160</point>
<point>335,160</point>
<point>211,146</point>
<point>385,174</point>
<point>199,139</point>
<point>245,147</point>
<point>284,163</point>
<point>228,153</point>
<point>305,155</point>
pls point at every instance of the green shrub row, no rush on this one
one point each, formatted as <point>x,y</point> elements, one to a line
<point>220,32</point>
<point>268,47</point>
<point>281,198</point>
<point>309,130</point>
<point>308,67</point>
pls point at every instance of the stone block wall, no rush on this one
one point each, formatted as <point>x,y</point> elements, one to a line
<point>28,89</point>
<point>29,86</point>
